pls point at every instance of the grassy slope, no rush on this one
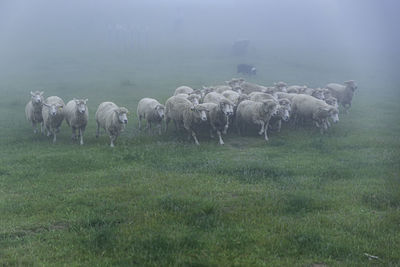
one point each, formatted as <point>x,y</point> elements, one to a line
<point>300,199</point>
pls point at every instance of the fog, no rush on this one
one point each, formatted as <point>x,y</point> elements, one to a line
<point>353,33</point>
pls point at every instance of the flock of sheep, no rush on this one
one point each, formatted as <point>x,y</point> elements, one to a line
<point>238,103</point>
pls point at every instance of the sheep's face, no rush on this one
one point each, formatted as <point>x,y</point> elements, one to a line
<point>334,114</point>
<point>200,112</point>
<point>160,111</point>
<point>194,99</point>
<point>226,108</point>
<point>54,109</point>
<point>351,84</point>
<point>81,105</point>
<point>37,97</point>
<point>122,115</point>
<point>327,93</point>
<point>283,112</point>
<point>270,107</point>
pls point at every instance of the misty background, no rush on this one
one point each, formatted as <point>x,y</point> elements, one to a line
<point>51,42</point>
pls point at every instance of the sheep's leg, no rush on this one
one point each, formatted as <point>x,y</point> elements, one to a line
<point>221,142</point>
<point>54,136</point>
<point>48,131</point>
<point>160,128</point>
<point>73,137</point>
<point>279,126</point>
<point>266,131</point>
<point>98,130</point>
<point>262,127</point>
<point>195,138</point>
<point>112,140</point>
<point>226,125</point>
<point>34,127</point>
<point>167,120</point>
<point>211,133</point>
<point>81,134</point>
<point>41,127</point>
<point>238,127</point>
<point>140,122</point>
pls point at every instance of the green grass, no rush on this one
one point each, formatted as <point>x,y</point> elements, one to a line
<point>298,200</point>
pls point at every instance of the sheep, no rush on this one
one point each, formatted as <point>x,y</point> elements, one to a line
<point>248,88</point>
<point>308,107</point>
<point>174,110</point>
<point>281,86</point>
<point>343,93</point>
<point>283,108</point>
<point>289,96</point>
<point>235,97</point>
<point>183,90</point>
<point>251,112</point>
<point>151,110</point>
<point>235,83</point>
<point>296,89</point>
<point>112,119</point>
<point>33,110</point>
<point>317,93</point>
<point>194,98</point>
<point>259,96</point>
<point>53,115</point>
<point>192,117</point>
<point>76,115</point>
<point>332,101</point>
<point>216,119</point>
<point>226,105</point>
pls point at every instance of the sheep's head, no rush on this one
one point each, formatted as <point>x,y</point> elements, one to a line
<point>351,84</point>
<point>122,115</point>
<point>37,97</point>
<point>284,108</point>
<point>160,111</point>
<point>334,114</point>
<point>200,111</point>
<point>281,86</point>
<point>194,98</point>
<point>270,106</point>
<point>81,105</point>
<point>54,109</point>
<point>226,107</point>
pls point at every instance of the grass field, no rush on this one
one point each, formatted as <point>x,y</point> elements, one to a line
<point>300,199</point>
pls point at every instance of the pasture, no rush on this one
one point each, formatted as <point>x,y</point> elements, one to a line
<point>298,200</point>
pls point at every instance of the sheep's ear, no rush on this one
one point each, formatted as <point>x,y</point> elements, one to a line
<point>32,94</point>
<point>41,93</point>
<point>86,100</point>
<point>47,105</point>
<point>116,111</point>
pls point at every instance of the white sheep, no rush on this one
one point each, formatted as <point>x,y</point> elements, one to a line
<point>260,96</point>
<point>112,119</point>
<point>76,115</point>
<point>183,90</point>
<point>152,111</point>
<point>296,89</point>
<point>235,97</point>
<point>305,107</point>
<point>53,115</point>
<point>259,113</point>
<point>281,86</point>
<point>174,110</point>
<point>194,98</point>
<point>343,93</point>
<point>33,110</point>
<point>193,116</point>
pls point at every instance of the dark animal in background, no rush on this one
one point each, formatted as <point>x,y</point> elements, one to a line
<point>246,69</point>
<point>239,48</point>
